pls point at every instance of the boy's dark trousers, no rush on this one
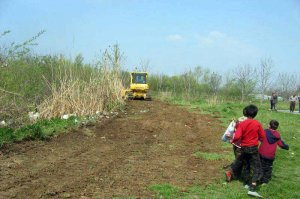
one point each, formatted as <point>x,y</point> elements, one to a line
<point>237,153</point>
<point>272,104</point>
<point>266,166</point>
<point>251,156</point>
<point>244,171</point>
<point>292,106</point>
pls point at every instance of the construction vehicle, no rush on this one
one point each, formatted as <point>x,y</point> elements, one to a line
<point>139,88</point>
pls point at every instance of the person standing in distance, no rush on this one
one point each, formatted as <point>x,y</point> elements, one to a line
<point>292,103</point>
<point>273,101</point>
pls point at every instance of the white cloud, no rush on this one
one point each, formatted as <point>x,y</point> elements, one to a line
<point>225,49</point>
<point>175,37</point>
<point>212,38</point>
<point>221,41</point>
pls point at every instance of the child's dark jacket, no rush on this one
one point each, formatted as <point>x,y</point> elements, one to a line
<point>269,144</point>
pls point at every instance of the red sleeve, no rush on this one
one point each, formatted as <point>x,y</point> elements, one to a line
<point>237,134</point>
<point>261,133</point>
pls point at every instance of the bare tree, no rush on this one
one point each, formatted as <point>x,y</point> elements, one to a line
<point>198,72</point>
<point>187,82</point>
<point>286,84</point>
<point>264,73</point>
<point>16,50</point>
<point>245,79</point>
<point>159,82</point>
<point>114,57</point>
<point>298,85</point>
<point>214,83</point>
<point>144,65</point>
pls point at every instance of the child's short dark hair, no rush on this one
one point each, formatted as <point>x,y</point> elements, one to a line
<point>244,112</point>
<point>274,124</point>
<point>250,111</point>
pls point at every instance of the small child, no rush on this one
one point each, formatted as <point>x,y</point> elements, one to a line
<point>267,150</point>
<point>229,133</point>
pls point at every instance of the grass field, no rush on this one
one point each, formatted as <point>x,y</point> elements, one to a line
<point>286,168</point>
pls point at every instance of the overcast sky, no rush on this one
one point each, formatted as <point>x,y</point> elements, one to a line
<point>173,35</point>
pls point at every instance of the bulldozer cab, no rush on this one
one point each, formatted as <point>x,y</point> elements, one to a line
<point>139,78</point>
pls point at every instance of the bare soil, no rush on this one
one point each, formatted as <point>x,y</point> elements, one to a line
<point>149,143</point>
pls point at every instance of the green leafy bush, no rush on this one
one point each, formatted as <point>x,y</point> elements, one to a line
<point>41,130</point>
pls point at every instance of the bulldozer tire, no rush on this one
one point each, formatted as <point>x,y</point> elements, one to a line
<point>129,95</point>
<point>148,97</point>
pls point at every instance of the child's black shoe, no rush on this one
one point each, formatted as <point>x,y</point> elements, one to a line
<point>252,191</point>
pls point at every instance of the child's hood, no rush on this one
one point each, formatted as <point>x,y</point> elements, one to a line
<point>272,137</point>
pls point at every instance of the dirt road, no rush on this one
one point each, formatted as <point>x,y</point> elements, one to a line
<point>149,143</point>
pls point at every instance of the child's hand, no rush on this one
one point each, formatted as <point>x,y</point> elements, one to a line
<point>229,137</point>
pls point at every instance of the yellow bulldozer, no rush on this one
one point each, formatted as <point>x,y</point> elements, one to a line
<point>139,88</point>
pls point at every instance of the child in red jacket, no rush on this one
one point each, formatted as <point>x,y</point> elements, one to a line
<point>267,150</point>
<point>248,133</point>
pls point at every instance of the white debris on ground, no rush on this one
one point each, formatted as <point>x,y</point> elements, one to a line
<point>33,116</point>
<point>90,120</point>
<point>67,116</point>
<point>144,111</point>
<point>3,123</point>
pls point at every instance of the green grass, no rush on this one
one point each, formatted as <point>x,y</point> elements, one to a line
<point>165,191</point>
<point>286,168</point>
<point>42,129</point>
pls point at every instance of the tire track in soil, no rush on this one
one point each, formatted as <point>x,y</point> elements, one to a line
<point>151,142</point>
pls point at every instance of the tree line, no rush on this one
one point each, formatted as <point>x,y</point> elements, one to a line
<point>243,82</point>
<point>29,81</point>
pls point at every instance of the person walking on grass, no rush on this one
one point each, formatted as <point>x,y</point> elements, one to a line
<point>273,101</point>
<point>267,150</point>
<point>248,133</point>
<point>292,103</point>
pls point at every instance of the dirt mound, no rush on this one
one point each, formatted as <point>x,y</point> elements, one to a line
<point>149,143</point>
